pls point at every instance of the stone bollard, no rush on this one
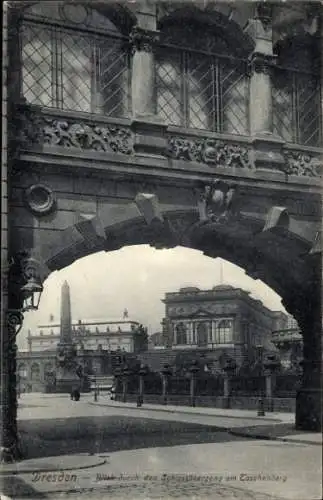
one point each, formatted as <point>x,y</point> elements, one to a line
<point>261,407</point>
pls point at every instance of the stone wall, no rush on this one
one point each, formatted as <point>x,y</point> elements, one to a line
<point>236,403</point>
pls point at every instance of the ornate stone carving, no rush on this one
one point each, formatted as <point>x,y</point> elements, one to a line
<point>208,150</point>
<point>40,199</point>
<point>215,201</point>
<point>66,355</point>
<point>87,137</point>
<point>143,40</point>
<point>14,322</point>
<point>303,164</point>
<point>70,133</point>
<point>31,269</point>
<point>261,63</point>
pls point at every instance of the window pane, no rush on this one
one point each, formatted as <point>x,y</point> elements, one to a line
<point>234,93</point>
<point>308,110</point>
<point>113,78</point>
<point>76,72</point>
<point>201,93</point>
<point>283,105</point>
<point>168,87</point>
<point>37,83</point>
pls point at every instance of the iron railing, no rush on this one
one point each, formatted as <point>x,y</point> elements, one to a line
<point>75,70</point>
<point>297,106</point>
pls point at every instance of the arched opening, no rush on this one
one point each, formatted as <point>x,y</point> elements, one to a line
<point>75,58</point>
<point>201,75</point>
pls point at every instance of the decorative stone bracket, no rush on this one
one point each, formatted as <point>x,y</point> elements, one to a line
<point>215,201</point>
<point>143,40</point>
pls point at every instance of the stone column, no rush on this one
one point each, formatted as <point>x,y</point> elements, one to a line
<point>148,128</point>
<point>309,396</point>
<point>267,148</point>
<point>143,72</point>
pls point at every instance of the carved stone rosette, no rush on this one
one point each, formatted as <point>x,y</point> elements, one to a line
<point>143,40</point>
<point>40,199</point>
<point>303,164</point>
<point>208,150</point>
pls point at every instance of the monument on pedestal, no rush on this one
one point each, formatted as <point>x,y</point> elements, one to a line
<point>66,360</point>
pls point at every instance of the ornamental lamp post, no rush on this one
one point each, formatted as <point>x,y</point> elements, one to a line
<point>229,368</point>
<point>142,372</point>
<point>166,373</point>
<point>261,400</point>
<point>194,368</point>
<point>271,363</point>
<point>126,373</point>
<point>117,375</point>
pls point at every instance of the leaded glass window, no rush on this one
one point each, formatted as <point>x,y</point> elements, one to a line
<point>297,97</point>
<point>74,58</point>
<point>198,82</point>
<point>224,332</point>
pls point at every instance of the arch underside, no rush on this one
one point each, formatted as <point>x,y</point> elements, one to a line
<point>279,257</point>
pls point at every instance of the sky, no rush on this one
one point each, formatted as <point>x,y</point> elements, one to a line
<point>136,278</point>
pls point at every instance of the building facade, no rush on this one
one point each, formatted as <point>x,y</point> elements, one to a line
<point>288,340</point>
<point>100,345</point>
<point>223,318</point>
<point>89,335</point>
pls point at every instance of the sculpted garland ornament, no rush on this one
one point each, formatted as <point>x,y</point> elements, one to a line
<point>211,151</point>
<point>88,137</point>
<point>70,133</point>
<point>303,164</point>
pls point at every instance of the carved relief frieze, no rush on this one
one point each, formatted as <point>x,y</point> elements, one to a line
<point>303,164</point>
<point>69,133</point>
<point>210,151</point>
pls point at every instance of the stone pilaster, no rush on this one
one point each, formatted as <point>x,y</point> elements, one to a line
<point>149,129</point>
<point>308,313</point>
<point>10,448</point>
<point>267,148</point>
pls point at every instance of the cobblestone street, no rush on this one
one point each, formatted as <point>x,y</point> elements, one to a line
<point>82,450</point>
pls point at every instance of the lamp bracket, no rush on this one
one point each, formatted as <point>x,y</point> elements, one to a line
<point>15,320</point>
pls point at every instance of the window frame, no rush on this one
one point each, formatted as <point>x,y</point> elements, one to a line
<point>56,29</point>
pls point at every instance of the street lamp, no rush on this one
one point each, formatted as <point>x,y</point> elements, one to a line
<point>31,291</point>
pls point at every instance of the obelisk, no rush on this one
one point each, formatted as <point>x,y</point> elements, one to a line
<point>66,377</point>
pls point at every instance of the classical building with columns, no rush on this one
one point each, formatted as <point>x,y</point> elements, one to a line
<point>98,344</point>
<point>165,123</point>
<point>223,319</point>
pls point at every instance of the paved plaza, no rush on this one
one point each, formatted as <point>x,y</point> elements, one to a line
<point>106,449</point>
